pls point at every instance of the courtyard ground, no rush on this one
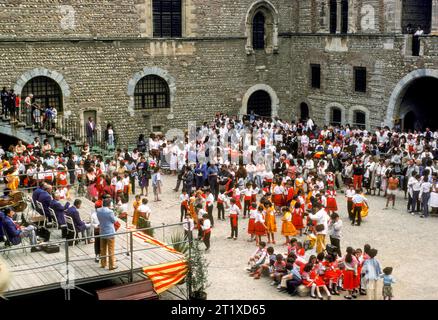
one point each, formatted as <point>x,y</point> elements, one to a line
<point>406,243</point>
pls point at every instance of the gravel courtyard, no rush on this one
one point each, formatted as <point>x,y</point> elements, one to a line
<point>404,242</point>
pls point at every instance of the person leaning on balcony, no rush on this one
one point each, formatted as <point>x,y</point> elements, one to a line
<point>107,219</point>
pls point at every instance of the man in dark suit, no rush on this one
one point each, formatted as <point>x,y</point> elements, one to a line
<point>15,232</point>
<point>91,129</point>
<point>35,195</point>
<point>45,198</point>
<point>80,225</point>
<point>59,209</point>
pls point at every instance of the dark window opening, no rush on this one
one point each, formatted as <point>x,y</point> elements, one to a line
<point>336,117</point>
<point>151,92</point>
<point>315,75</point>
<point>360,79</point>
<point>304,110</point>
<point>333,16</point>
<point>167,18</point>
<point>46,92</point>
<point>416,13</point>
<point>258,33</point>
<point>359,119</point>
<point>344,16</point>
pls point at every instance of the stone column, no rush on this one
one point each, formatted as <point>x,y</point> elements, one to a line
<point>352,16</point>
<point>434,27</point>
<point>338,16</point>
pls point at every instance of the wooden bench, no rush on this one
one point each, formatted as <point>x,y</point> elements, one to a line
<point>140,290</point>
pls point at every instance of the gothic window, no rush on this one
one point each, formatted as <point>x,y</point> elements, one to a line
<point>167,18</point>
<point>151,92</point>
<point>46,92</point>
<point>258,31</point>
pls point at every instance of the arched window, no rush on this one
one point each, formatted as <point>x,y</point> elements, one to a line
<point>151,92</point>
<point>336,117</point>
<point>359,119</point>
<point>258,31</point>
<point>167,18</point>
<point>46,92</point>
<point>261,28</point>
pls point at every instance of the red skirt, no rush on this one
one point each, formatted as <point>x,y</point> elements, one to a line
<point>277,199</point>
<point>297,221</point>
<point>251,226</point>
<point>331,204</point>
<point>332,275</point>
<point>349,281</point>
<point>319,281</point>
<point>260,229</point>
<point>357,278</point>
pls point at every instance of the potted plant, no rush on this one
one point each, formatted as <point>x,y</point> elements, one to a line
<point>198,273</point>
<point>143,223</point>
<point>179,242</point>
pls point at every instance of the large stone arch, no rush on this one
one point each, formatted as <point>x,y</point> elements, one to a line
<point>274,99</point>
<point>364,110</point>
<point>332,105</point>
<point>37,72</point>
<point>151,71</point>
<point>400,89</point>
<point>271,15</point>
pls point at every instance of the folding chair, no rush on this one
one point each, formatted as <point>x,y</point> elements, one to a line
<point>71,229</point>
<point>8,243</point>
<point>40,206</point>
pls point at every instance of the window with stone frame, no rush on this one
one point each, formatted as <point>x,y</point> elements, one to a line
<point>46,92</point>
<point>360,79</point>
<point>315,70</point>
<point>262,28</point>
<point>335,117</point>
<point>167,18</point>
<point>151,92</point>
<point>359,119</point>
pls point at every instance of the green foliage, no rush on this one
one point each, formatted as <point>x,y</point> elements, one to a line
<point>199,269</point>
<point>143,223</point>
<point>178,242</point>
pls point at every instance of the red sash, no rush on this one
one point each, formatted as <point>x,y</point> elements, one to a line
<point>233,217</point>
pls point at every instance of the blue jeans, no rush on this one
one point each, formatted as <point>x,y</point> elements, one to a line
<point>425,199</point>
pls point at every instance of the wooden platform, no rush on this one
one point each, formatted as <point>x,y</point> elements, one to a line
<point>39,271</point>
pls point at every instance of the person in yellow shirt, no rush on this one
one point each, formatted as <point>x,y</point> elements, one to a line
<point>287,227</point>
<point>136,204</point>
<point>12,179</point>
<point>271,224</point>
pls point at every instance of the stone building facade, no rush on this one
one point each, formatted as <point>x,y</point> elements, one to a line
<point>338,61</point>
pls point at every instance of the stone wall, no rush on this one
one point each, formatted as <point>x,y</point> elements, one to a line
<point>209,70</point>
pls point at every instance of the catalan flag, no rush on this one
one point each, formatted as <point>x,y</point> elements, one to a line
<point>166,275</point>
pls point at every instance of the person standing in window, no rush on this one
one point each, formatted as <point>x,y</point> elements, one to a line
<point>91,129</point>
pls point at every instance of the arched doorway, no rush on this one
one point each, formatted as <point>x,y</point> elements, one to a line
<point>260,103</point>
<point>304,111</point>
<point>7,141</point>
<point>418,104</point>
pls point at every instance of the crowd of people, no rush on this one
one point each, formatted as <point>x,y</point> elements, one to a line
<point>256,169</point>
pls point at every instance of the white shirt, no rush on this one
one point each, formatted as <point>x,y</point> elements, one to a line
<point>144,208</point>
<point>321,217</point>
<point>206,225</point>
<point>190,226</point>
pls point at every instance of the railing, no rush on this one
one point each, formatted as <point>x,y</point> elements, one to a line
<point>67,281</point>
<point>70,128</point>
